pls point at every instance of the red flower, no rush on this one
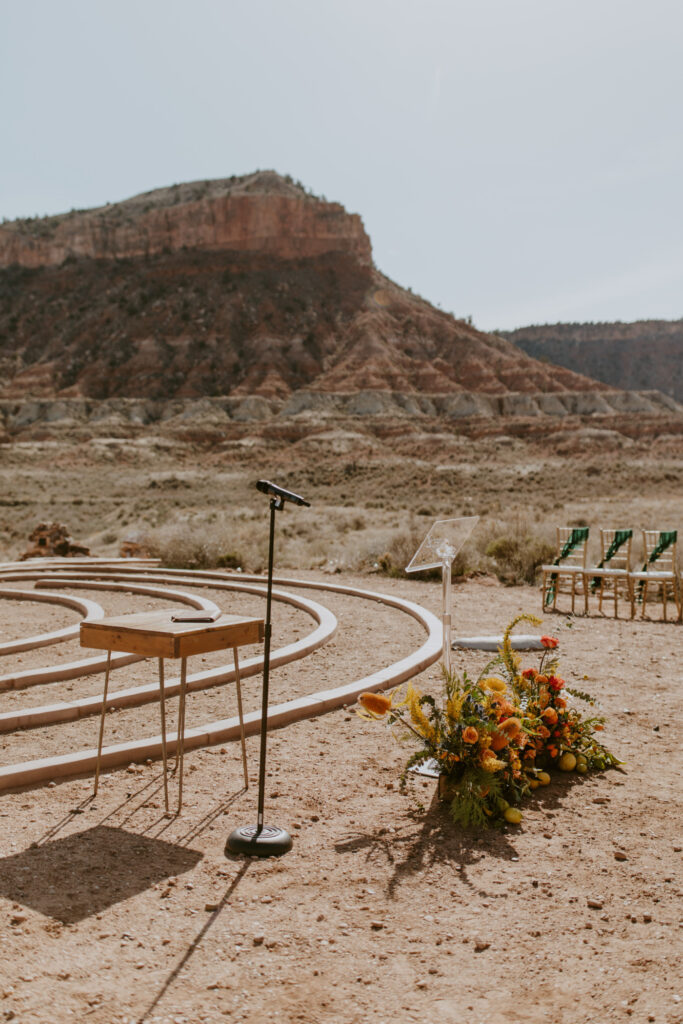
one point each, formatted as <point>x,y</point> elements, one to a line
<point>528,673</point>
<point>549,642</point>
<point>555,684</point>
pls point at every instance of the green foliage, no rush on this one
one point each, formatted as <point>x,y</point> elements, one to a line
<point>474,797</point>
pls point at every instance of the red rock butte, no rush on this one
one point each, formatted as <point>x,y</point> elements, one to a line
<point>244,286</point>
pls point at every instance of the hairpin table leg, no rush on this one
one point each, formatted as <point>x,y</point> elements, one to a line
<point>162,706</point>
<point>241,717</point>
<point>180,747</point>
<point>104,711</point>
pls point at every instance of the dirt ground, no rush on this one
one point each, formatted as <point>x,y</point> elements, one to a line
<point>384,911</point>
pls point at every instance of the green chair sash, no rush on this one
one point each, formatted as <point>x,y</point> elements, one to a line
<point>620,538</point>
<point>578,536</point>
<point>666,539</point>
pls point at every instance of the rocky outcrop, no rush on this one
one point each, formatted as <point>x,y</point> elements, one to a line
<point>260,212</point>
<point>52,539</point>
<point>130,417</point>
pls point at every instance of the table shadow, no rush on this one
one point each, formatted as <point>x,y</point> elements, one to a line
<point>76,876</point>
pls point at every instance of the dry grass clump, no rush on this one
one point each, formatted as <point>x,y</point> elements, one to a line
<point>512,549</point>
<point>402,545</point>
<point>204,545</point>
<point>515,548</point>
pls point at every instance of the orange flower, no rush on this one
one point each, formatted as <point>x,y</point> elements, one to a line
<point>549,642</point>
<point>499,740</point>
<point>505,709</point>
<point>560,702</point>
<point>541,680</point>
<point>511,727</point>
<point>470,734</point>
<point>553,751</point>
<point>598,727</point>
<point>549,716</point>
<point>542,731</point>
<point>375,703</point>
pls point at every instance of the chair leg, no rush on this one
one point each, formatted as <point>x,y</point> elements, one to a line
<point>644,596</point>
<point>664,589</point>
<point>102,715</point>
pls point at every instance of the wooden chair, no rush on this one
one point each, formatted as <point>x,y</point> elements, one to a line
<point>567,573</point>
<point>611,575</point>
<point>659,571</point>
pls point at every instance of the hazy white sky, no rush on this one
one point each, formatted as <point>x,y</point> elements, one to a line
<point>519,161</point>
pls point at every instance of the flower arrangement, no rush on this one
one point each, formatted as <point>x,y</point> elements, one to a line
<point>492,739</point>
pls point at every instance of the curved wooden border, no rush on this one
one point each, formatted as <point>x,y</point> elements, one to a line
<point>90,610</point>
<point>222,731</point>
<point>87,666</point>
<point>67,711</point>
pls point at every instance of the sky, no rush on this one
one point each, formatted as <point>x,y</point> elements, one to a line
<point>516,161</point>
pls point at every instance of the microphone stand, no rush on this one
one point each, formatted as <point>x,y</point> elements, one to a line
<point>261,840</point>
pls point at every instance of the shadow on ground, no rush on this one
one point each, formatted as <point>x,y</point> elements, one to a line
<point>79,875</point>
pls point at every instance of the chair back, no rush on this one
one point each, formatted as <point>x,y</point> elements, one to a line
<point>621,558</point>
<point>665,561</point>
<point>577,555</point>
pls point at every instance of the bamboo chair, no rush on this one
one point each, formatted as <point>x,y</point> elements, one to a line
<point>659,571</point>
<point>567,574</point>
<point>611,575</point>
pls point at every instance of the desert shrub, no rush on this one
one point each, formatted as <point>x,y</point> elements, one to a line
<point>516,551</point>
<point>191,546</point>
<point>402,546</point>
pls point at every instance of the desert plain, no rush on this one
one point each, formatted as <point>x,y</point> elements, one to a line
<point>384,910</point>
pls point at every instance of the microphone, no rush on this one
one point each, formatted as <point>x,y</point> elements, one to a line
<point>266,487</point>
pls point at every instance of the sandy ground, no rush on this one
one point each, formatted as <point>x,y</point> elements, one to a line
<point>383,910</point>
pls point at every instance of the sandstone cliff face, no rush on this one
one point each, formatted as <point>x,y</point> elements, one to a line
<point>257,213</point>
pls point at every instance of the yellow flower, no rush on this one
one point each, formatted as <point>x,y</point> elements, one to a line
<point>493,683</point>
<point>490,762</point>
<point>454,707</point>
<point>417,715</point>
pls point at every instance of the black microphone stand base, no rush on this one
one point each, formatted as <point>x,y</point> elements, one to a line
<point>269,841</point>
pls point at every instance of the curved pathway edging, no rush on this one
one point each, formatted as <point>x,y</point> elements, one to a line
<point>225,730</point>
<point>89,609</point>
<point>66,711</point>
<point>87,666</point>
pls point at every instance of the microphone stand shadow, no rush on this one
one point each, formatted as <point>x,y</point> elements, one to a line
<point>195,944</point>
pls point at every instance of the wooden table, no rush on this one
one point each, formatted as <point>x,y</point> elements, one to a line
<point>156,635</point>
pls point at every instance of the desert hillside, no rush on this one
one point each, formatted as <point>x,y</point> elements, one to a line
<point>635,356</point>
<point>242,286</point>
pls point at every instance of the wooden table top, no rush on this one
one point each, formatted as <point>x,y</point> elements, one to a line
<point>155,635</point>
